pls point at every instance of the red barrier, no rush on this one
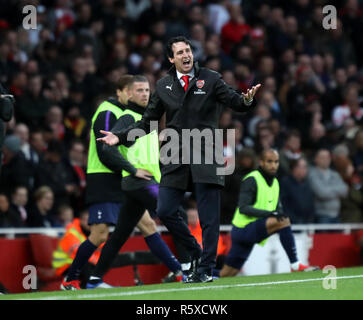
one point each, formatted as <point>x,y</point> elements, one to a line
<point>14,255</point>
<point>339,250</point>
<point>328,249</point>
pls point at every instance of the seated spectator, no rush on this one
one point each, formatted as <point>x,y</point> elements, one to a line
<point>77,158</point>
<point>54,119</point>
<point>64,216</point>
<point>265,139</point>
<point>235,29</point>
<point>299,97</point>
<point>22,131</point>
<point>296,194</point>
<point>37,142</point>
<point>31,156</point>
<point>40,213</point>
<point>25,110</point>
<point>16,170</point>
<point>57,173</point>
<point>19,201</point>
<point>9,218</point>
<point>350,109</point>
<point>328,188</point>
<point>75,125</point>
<point>351,206</point>
<point>358,153</point>
<point>291,150</point>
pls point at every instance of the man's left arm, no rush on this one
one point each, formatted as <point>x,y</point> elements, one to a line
<point>228,97</point>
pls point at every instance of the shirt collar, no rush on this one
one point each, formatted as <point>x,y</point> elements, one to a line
<point>190,74</point>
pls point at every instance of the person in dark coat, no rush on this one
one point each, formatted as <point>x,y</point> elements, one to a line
<point>296,194</point>
<point>192,98</point>
<point>16,170</point>
<point>40,212</point>
<point>6,112</point>
<point>9,218</point>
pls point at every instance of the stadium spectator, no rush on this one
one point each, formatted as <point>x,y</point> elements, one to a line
<point>357,153</point>
<point>334,96</point>
<point>40,212</point>
<point>328,188</point>
<point>296,194</point>
<point>77,158</point>
<point>9,218</point>
<point>351,206</point>
<point>22,132</point>
<point>19,201</point>
<point>33,96</point>
<point>6,114</point>
<point>64,216</point>
<point>54,119</point>
<point>350,109</point>
<point>16,170</point>
<point>235,30</point>
<point>56,172</point>
<point>291,150</point>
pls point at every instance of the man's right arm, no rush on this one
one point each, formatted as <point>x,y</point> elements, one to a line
<point>154,111</point>
<point>110,157</point>
<point>247,198</point>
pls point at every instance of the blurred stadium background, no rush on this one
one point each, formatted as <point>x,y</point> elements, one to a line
<point>311,100</point>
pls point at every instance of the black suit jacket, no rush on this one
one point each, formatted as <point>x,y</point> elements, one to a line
<point>197,108</point>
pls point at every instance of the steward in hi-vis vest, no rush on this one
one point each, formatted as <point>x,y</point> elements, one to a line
<point>68,246</point>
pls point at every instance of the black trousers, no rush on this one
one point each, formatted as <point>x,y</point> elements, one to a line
<point>208,201</point>
<point>133,207</point>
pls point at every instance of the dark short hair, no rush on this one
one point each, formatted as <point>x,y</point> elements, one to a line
<point>295,162</point>
<point>171,41</point>
<point>139,78</point>
<point>124,81</point>
<point>55,146</point>
<point>266,151</point>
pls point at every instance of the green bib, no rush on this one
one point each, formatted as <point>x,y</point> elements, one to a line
<point>266,199</point>
<point>94,165</point>
<point>144,153</point>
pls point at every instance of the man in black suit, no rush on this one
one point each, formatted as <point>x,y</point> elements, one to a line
<point>192,98</point>
<point>6,112</point>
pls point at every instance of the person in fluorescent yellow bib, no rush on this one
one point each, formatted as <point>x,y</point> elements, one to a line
<point>260,214</point>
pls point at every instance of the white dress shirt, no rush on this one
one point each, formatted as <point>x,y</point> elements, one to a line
<point>190,74</point>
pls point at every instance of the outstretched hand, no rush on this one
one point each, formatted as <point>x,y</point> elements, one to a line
<point>251,92</point>
<point>109,138</point>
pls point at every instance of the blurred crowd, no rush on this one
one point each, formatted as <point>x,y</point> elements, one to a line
<point>310,105</point>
